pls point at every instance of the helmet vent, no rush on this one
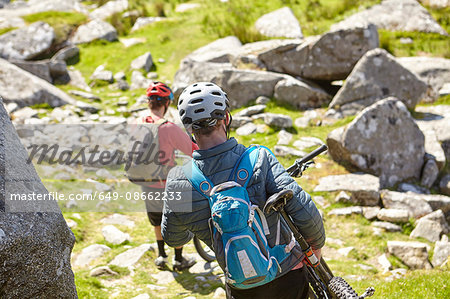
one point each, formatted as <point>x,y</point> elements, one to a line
<point>209,84</point>
<point>196,101</point>
<point>181,102</point>
<point>216,93</point>
<point>199,110</point>
<point>182,112</point>
<point>218,103</point>
<point>195,91</point>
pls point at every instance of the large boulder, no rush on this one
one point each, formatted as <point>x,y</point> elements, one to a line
<point>412,254</point>
<point>396,15</point>
<point>383,140</point>
<point>364,188</point>
<point>418,205</point>
<point>301,94</point>
<point>441,251</point>
<point>109,8</point>
<point>25,89</point>
<point>377,76</point>
<point>434,71</point>
<point>95,30</point>
<point>49,70</point>
<point>279,23</point>
<point>331,56</point>
<point>431,226</point>
<point>22,8</point>
<point>35,242</point>
<point>11,22</point>
<point>217,51</point>
<point>27,42</point>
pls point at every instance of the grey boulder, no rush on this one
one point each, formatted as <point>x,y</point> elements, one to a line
<point>412,254</point>
<point>279,23</point>
<point>27,42</point>
<point>431,226</point>
<point>377,76</point>
<point>441,251</point>
<point>218,51</point>
<point>144,62</point>
<point>94,30</point>
<point>109,8</point>
<point>383,140</point>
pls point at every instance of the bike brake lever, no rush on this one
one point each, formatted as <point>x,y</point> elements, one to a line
<point>368,293</point>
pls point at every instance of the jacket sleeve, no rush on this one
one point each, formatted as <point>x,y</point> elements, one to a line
<point>301,208</point>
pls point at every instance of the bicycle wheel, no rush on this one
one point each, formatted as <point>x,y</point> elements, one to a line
<point>341,289</point>
<point>204,251</point>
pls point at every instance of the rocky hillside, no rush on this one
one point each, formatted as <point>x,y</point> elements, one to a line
<point>371,79</point>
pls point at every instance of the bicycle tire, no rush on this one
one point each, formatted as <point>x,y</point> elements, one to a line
<point>341,289</point>
<point>199,246</point>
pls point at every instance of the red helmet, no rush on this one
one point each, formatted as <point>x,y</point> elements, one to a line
<point>160,90</point>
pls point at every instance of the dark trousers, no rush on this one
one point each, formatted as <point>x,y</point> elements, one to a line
<point>292,285</point>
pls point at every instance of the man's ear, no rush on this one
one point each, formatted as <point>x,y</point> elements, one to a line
<point>227,119</point>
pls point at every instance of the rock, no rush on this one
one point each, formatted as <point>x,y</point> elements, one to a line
<point>301,94</point>
<point>131,256</point>
<point>436,3</point>
<point>71,223</point>
<point>303,122</point>
<point>123,85</point>
<point>142,296</point>
<point>444,184</point>
<point>28,42</point>
<point>66,53</point>
<point>306,142</point>
<point>395,15</point>
<point>279,23</point>
<point>94,30</point>
<point>139,81</point>
<point>102,271</point>
<point>412,254</point>
<point>129,42</point>
<point>430,173</point>
<point>59,72</point>
<point>219,293</point>
<point>202,268</point>
<point>407,187</point>
<point>342,197</point>
<point>144,21</point>
<point>35,242</point>
<point>283,151</point>
<point>346,211</point>
<point>85,95</point>
<point>77,80</point>
<point>387,226</point>
<point>364,188</point>
<point>370,213</point>
<point>120,76</point>
<point>23,114</point>
<point>432,70</point>
<point>11,107</point>
<point>102,74</point>
<point>284,137</point>
<point>262,100</point>
<point>247,129</point>
<point>154,287</point>
<point>20,8</point>
<point>277,120</point>
<point>89,254</point>
<point>331,56</point>
<point>103,173</point>
<point>428,229</point>
<point>345,251</point>
<point>11,22</point>
<point>108,9</point>
<point>437,202</point>
<point>415,204</point>
<point>217,51</point>
<point>252,110</point>
<point>377,76</point>
<point>38,68</point>
<point>114,236</point>
<point>387,124</point>
<point>144,62</point>
<point>384,262</point>
<point>393,215</point>
<point>441,252</point>
<point>164,277</point>
<point>118,219</point>
<point>239,121</point>
<point>183,7</point>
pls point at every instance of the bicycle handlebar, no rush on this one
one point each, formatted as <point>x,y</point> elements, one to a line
<point>298,163</point>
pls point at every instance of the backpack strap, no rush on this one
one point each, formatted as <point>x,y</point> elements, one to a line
<point>197,179</point>
<point>243,170</point>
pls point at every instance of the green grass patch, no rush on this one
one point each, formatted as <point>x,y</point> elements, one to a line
<point>89,287</point>
<point>5,30</point>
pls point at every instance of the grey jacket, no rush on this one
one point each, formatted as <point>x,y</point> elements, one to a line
<point>188,216</point>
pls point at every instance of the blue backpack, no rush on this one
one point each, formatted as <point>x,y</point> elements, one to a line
<point>238,227</point>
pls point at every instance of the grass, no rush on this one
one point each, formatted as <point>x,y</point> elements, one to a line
<point>5,30</point>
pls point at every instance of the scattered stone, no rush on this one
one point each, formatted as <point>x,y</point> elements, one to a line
<point>260,128</point>
<point>85,95</point>
<point>342,197</point>
<point>303,122</point>
<point>40,69</point>
<point>370,213</point>
<point>123,85</point>
<point>412,254</point>
<point>301,94</point>
<point>279,23</point>
<point>202,268</point>
<point>11,107</point>
<point>414,203</point>
<point>108,9</point>
<point>430,173</point>
<point>102,74</point>
<point>306,142</point>
<point>155,287</point>
<point>444,184</point>
<point>218,51</point>
<point>346,211</point>
<point>430,230</point>
<point>262,100</point>
<point>377,76</point>
<point>94,30</point>
<point>284,137</point>
<point>129,42</point>
<point>120,76</point>
<point>139,81</point>
<point>283,151</point>
<point>252,110</point>
<point>364,188</point>
<point>142,296</point>
<point>407,187</point>
<point>102,271</point>
<point>239,121</point>
<point>393,215</point>
<point>58,71</point>
<point>345,251</point>
<point>164,277</point>
<point>384,262</point>
<point>219,293</point>
<point>247,129</point>
<point>144,21</point>
<point>183,7</point>
<point>387,124</point>
<point>131,256</point>
<point>441,252</point>
<point>277,120</point>
<point>144,62</point>
<point>387,226</point>
<point>114,236</point>
<point>77,80</point>
<point>66,53</point>
<point>152,75</point>
<point>89,254</point>
<point>118,219</point>
<point>100,186</point>
<point>22,114</point>
<point>27,42</point>
<point>395,15</point>
<point>71,223</point>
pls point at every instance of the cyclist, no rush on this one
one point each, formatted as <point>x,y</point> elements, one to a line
<point>171,138</point>
<point>204,109</point>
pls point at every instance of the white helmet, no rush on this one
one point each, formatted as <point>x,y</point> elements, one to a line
<point>202,104</point>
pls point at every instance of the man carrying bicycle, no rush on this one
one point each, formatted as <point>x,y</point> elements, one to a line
<point>204,109</point>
